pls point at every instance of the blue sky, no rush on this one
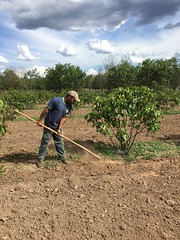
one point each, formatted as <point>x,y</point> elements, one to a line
<point>87,33</point>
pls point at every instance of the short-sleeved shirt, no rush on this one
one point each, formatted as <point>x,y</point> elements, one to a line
<point>57,110</point>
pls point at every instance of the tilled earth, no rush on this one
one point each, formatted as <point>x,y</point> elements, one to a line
<point>88,199</point>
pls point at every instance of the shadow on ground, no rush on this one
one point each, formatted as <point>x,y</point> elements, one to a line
<point>32,158</point>
<point>20,157</point>
<point>174,137</point>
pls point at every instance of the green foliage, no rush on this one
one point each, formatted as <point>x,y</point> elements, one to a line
<point>123,114</point>
<point>167,99</point>
<point>2,126</point>
<point>141,150</point>
<point>88,97</point>
<point>65,77</point>
<point>153,149</point>
<point>158,74</point>
<point>16,99</point>
<point>9,79</point>
<point>6,114</point>
<point>122,75</point>
<point>33,80</point>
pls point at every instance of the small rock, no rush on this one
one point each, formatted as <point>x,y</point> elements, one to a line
<point>16,188</point>
<point>148,200</point>
<point>23,197</point>
<point>3,219</point>
<point>123,227</point>
<point>171,203</point>
<point>164,235</point>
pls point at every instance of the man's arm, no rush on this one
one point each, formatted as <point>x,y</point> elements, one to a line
<point>63,120</point>
<point>42,115</point>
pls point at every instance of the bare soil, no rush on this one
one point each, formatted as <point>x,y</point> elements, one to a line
<point>88,199</point>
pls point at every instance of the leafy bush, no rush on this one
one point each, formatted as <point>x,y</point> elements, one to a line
<point>123,114</point>
<point>6,113</point>
<point>15,99</point>
<point>167,99</point>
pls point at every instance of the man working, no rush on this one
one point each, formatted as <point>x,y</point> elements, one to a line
<point>55,115</point>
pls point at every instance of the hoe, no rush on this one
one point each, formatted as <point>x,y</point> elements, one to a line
<point>24,115</point>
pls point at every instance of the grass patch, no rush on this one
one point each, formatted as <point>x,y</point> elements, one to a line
<point>172,112</point>
<point>78,116</point>
<point>151,150</point>
<point>108,150</point>
<point>141,150</point>
<point>20,118</point>
<point>50,164</point>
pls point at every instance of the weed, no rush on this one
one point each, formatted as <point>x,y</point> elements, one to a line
<point>73,157</point>
<point>141,150</point>
<point>50,164</point>
<point>153,149</point>
<point>172,112</point>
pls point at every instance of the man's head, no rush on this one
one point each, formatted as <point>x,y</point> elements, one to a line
<point>71,97</point>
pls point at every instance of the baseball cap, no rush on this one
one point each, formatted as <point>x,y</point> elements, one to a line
<point>75,95</point>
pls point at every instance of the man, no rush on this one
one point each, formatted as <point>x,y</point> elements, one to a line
<point>55,115</point>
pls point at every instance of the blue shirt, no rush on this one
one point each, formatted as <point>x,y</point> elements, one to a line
<point>57,110</point>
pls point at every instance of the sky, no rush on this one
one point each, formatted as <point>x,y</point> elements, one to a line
<point>86,33</point>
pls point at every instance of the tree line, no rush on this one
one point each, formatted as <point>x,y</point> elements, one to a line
<point>156,74</point>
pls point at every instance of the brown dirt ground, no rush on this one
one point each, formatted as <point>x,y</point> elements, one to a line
<point>89,199</point>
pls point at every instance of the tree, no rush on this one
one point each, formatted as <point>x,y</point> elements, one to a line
<point>6,114</point>
<point>123,114</point>
<point>122,75</point>
<point>33,80</point>
<point>65,77</point>
<point>156,74</point>
<point>175,73</point>
<point>9,80</point>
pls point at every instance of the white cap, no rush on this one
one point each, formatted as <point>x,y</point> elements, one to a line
<point>75,95</point>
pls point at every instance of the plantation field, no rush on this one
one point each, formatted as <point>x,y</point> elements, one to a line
<point>88,199</point>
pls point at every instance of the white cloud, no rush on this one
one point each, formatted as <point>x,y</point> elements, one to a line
<point>134,59</point>
<point>65,14</point>
<point>92,72</point>
<point>66,51</point>
<point>100,46</point>
<point>135,56</point>
<point>77,15</point>
<point>115,28</point>
<point>40,69</point>
<point>3,60</point>
<point>21,70</point>
<point>24,53</point>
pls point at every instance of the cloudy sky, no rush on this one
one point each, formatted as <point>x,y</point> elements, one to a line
<point>87,33</point>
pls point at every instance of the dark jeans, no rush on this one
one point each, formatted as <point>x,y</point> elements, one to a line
<point>58,142</point>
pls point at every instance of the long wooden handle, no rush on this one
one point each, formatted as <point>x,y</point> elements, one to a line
<point>59,134</point>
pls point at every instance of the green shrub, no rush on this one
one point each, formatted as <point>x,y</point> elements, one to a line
<point>123,114</point>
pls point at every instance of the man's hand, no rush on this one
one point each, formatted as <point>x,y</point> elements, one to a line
<point>59,131</point>
<point>39,123</point>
